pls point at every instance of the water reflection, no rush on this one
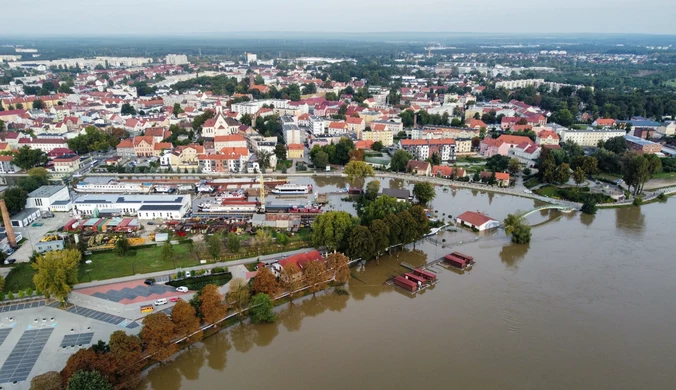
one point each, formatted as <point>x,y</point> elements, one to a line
<point>630,219</point>
<point>291,317</point>
<point>265,333</point>
<point>217,351</point>
<point>397,184</point>
<point>243,337</point>
<point>169,380</point>
<point>586,219</point>
<point>192,360</point>
<point>511,253</point>
<point>490,197</point>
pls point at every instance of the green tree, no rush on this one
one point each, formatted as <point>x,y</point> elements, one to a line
<point>214,246</point>
<point>233,243</point>
<point>562,173</point>
<point>343,149</point>
<point>399,160</point>
<point>617,145</point>
<point>424,192</point>
<point>167,251</point>
<point>407,235</point>
<point>282,239</point>
<point>245,119</point>
<point>2,126</point>
<point>434,159</point>
<point>40,174</point>
<point>27,158</point>
<point>38,104</point>
<point>360,243</point>
<point>15,199</point>
<point>381,207</point>
<point>357,172</point>
<point>127,109</point>
<point>258,80</point>
<point>177,109</point>
<point>579,176</point>
<point>56,272</point>
<point>547,167</point>
<point>517,229</point>
<point>497,163</point>
<point>372,190</point>
<point>563,117</point>
<point>261,309</point>
<point>280,151</point>
<point>331,229</point>
<point>589,206</point>
<point>514,166</point>
<point>377,146</point>
<point>320,160</point>
<point>88,380</point>
<point>122,246</point>
<point>380,232</point>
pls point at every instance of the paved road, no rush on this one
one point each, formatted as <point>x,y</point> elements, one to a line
<point>163,275</point>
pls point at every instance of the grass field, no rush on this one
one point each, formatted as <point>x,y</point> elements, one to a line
<point>147,259</point>
<point>19,278</point>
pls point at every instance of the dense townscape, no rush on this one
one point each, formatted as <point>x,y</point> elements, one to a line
<point>195,180</point>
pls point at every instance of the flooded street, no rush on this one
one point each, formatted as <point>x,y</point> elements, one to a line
<point>589,303</point>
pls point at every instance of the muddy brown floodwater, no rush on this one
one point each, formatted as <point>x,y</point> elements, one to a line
<point>589,303</point>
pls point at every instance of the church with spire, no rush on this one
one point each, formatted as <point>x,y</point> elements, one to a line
<point>220,124</point>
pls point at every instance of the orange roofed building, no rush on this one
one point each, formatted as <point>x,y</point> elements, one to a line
<point>229,160</point>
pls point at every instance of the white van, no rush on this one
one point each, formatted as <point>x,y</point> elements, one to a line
<point>161,301</point>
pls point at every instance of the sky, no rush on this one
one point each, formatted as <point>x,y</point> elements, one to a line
<point>219,17</point>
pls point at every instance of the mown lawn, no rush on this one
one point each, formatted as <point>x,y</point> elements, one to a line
<point>19,278</point>
<point>107,264</point>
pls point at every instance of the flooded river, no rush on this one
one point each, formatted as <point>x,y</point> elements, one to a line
<point>589,303</point>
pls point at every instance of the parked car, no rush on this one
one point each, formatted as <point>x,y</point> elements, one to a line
<point>151,223</point>
<point>174,299</point>
<point>187,274</point>
<point>182,289</point>
<point>10,261</point>
<point>149,282</point>
<point>161,301</point>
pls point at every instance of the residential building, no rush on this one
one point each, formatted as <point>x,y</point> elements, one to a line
<point>437,132</point>
<point>44,144</point>
<point>229,160</point>
<point>143,206</point>
<point>589,137</point>
<point>162,147</point>
<point>477,221</point>
<point>446,171</point>
<point>668,128</point>
<point>603,122</point>
<point>220,124</point>
<point>490,147</point>
<point>546,137</point>
<point>229,141</point>
<point>300,260</point>
<point>316,125</point>
<point>463,146</point>
<point>501,178</point>
<point>64,165</point>
<point>46,196</point>
<point>422,149</point>
<point>126,148</point>
<point>395,126</point>
<point>401,195</point>
<point>336,129</point>
<point>382,135</point>
<point>644,132</point>
<point>291,134</point>
<point>295,151</point>
<point>159,134</point>
<point>48,246</point>
<point>355,125</point>
<point>642,146</point>
<point>419,168</point>
<point>143,146</point>
<point>176,59</point>
<point>6,165</point>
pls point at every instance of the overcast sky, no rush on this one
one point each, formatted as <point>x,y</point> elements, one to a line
<point>104,17</point>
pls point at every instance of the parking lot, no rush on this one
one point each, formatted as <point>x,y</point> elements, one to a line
<point>33,234</point>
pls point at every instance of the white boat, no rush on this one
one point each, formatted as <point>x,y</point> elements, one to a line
<point>185,187</point>
<point>292,189</point>
<point>205,188</point>
<point>230,196</point>
<point>164,189</point>
<point>227,208</point>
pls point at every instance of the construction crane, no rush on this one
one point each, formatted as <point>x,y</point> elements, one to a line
<point>262,193</point>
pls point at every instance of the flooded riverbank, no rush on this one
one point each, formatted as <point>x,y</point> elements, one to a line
<point>587,304</point>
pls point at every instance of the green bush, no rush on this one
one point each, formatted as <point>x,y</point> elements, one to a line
<point>638,201</point>
<point>2,296</point>
<point>10,296</point>
<point>21,294</point>
<point>218,270</point>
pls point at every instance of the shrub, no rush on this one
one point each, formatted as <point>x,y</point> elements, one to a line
<point>10,296</point>
<point>217,270</point>
<point>638,201</point>
<point>589,207</point>
<point>2,296</point>
<point>28,292</point>
<point>21,294</point>
<point>662,197</point>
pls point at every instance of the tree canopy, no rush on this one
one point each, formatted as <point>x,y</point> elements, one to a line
<point>27,158</point>
<point>424,192</point>
<point>56,272</point>
<point>331,229</point>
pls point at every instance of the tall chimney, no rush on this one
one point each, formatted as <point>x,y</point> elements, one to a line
<point>252,83</point>
<point>11,238</point>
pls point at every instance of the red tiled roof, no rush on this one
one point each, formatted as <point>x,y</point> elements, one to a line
<point>301,259</point>
<point>162,145</point>
<point>498,175</point>
<point>476,219</point>
<point>295,147</point>
<point>514,139</point>
<point>229,138</point>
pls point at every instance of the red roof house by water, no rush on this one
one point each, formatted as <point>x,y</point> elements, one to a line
<point>476,220</point>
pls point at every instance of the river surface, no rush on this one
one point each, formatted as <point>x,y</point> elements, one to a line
<point>589,303</point>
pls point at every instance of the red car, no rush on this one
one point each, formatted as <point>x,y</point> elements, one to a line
<point>174,299</point>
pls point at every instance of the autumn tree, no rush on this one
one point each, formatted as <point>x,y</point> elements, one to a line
<point>338,263</point>
<point>212,308</point>
<point>88,380</point>
<point>50,380</point>
<point>126,353</point>
<point>315,276</point>
<point>185,320</point>
<point>265,282</point>
<point>261,309</point>
<point>82,360</point>
<point>239,294</point>
<point>56,272</point>
<point>291,279</point>
<point>157,334</point>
